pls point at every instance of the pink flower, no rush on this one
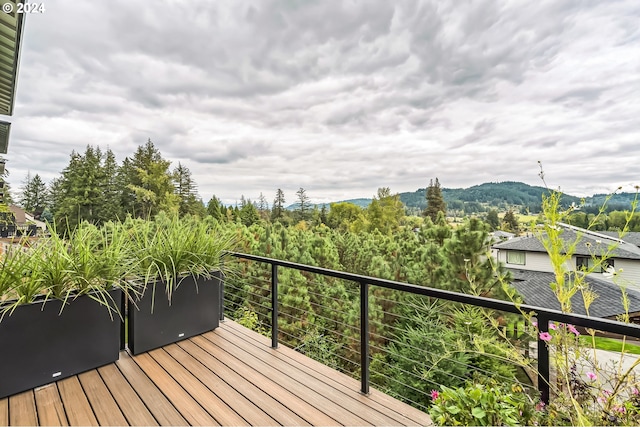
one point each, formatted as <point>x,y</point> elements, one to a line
<point>635,391</point>
<point>592,376</point>
<point>607,392</point>
<point>534,323</point>
<point>552,326</point>
<point>600,399</point>
<point>573,329</point>
<point>545,336</point>
<point>434,394</point>
<point>540,406</point>
<point>621,409</point>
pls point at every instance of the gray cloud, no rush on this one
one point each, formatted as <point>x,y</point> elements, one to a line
<point>339,97</point>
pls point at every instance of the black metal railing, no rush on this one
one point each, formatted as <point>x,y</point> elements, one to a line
<point>543,315</point>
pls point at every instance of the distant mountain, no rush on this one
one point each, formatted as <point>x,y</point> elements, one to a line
<point>362,202</point>
<point>500,195</point>
<point>491,194</point>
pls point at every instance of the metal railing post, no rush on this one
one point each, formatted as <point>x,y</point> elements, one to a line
<point>221,288</point>
<point>364,337</point>
<point>543,360</point>
<point>274,306</point>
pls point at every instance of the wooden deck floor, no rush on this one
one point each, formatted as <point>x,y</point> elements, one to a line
<point>230,376</point>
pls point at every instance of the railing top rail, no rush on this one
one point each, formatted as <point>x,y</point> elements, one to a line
<point>597,323</point>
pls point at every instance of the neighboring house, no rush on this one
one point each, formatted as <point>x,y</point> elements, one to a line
<point>25,219</point>
<point>534,288</point>
<point>528,253</point>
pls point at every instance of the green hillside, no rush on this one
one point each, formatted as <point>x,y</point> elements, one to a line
<point>499,195</point>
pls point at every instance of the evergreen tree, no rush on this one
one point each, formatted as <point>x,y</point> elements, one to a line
<point>186,190</point>
<point>111,190</point>
<point>78,194</point>
<point>263,207</point>
<point>277,212</point>
<point>510,222</point>
<point>5,193</point>
<point>435,201</point>
<point>493,220</point>
<point>303,209</point>
<point>385,212</point>
<point>34,195</point>
<point>216,209</point>
<point>150,182</point>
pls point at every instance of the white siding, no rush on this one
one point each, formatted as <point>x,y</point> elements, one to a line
<point>534,261</point>
<point>630,275</point>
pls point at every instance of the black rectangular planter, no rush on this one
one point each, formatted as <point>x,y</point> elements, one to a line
<point>41,345</point>
<point>194,309</point>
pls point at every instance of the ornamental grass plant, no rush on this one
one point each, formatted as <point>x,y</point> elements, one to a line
<point>171,248</point>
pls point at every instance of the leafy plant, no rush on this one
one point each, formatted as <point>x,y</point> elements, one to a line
<point>172,248</point>
<point>87,261</point>
<point>485,405</point>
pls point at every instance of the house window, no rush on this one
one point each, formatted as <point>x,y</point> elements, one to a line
<point>515,257</point>
<point>585,263</point>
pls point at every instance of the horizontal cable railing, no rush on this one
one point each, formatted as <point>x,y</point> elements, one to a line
<point>360,347</point>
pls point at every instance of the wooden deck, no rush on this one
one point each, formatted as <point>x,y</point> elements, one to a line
<point>230,376</point>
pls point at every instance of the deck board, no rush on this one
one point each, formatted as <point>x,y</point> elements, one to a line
<point>104,406</point>
<point>239,403</point>
<point>188,407</point>
<point>268,385</point>
<point>318,395</point>
<point>333,397</point>
<point>163,411</point>
<point>22,409</point>
<point>216,407</point>
<point>403,413</point>
<point>49,406</point>
<point>279,412</point>
<point>132,407</point>
<point>4,412</point>
<point>230,376</point>
<point>76,404</point>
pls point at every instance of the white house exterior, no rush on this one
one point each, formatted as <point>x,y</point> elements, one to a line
<point>528,253</point>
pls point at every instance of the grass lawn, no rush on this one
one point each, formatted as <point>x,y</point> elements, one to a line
<point>611,344</point>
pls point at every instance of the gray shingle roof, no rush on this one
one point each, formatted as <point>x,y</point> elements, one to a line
<point>534,288</point>
<point>589,245</point>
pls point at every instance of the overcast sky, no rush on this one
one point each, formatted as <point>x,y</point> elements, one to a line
<point>338,97</point>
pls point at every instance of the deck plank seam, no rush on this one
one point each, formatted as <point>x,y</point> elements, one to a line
<point>136,392</point>
<point>187,391</point>
<point>321,376</point>
<point>344,397</point>
<point>112,396</point>
<point>180,386</point>
<point>205,385</point>
<point>249,368</point>
<point>234,386</point>
<point>306,398</point>
<point>95,414</point>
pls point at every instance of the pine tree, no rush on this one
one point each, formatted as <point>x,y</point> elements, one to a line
<point>150,182</point>
<point>34,195</point>
<point>277,212</point>
<point>303,209</point>
<point>385,212</point>
<point>263,207</point>
<point>493,220</point>
<point>435,201</point>
<point>78,194</point>
<point>111,190</point>
<point>186,189</point>
<point>510,222</point>
<point>216,209</point>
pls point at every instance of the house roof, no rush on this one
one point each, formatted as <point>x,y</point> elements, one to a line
<point>590,244</point>
<point>535,289</point>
